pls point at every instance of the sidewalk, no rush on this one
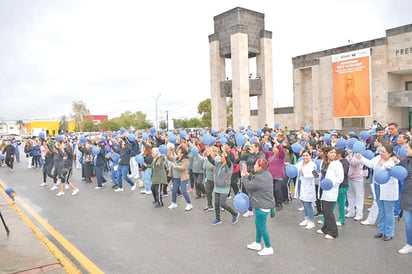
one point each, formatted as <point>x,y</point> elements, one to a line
<point>21,251</point>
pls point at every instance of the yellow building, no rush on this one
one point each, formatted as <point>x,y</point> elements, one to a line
<point>50,127</point>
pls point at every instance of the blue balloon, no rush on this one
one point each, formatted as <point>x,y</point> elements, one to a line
<point>82,140</point>
<point>131,137</point>
<point>163,149</point>
<point>241,202</point>
<point>364,134</point>
<point>103,139</point>
<point>326,138</point>
<point>241,127</point>
<point>326,184</point>
<point>172,138</point>
<point>220,135</point>
<point>122,130</point>
<point>351,142</point>
<point>276,125</point>
<point>368,154</point>
<point>223,141</point>
<point>291,171</point>
<point>152,130</point>
<point>382,176</point>
<point>267,147</point>
<point>206,139</point>
<point>145,136</point>
<point>307,129</point>
<point>42,135</point>
<point>139,159</point>
<point>358,147</point>
<point>214,131</point>
<point>273,134</point>
<point>95,150</point>
<point>194,151</point>
<point>341,143</point>
<point>399,172</point>
<point>258,132</point>
<point>183,134</point>
<point>297,148</point>
<point>249,133</point>
<point>253,140</point>
<point>240,140</point>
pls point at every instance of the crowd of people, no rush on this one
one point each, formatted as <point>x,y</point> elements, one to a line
<point>255,162</point>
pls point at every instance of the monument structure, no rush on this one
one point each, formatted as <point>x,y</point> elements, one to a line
<point>239,36</point>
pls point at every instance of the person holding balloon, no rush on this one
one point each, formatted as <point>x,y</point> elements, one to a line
<point>306,181</point>
<point>124,164</point>
<point>260,189</point>
<point>209,173</point>
<point>406,197</point>
<point>386,189</point>
<point>332,176</point>
<point>159,177</point>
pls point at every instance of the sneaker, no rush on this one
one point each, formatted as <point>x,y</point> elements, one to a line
<point>115,186</point>
<point>235,218</point>
<point>61,193</point>
<point>301,208</point>
<point>320,221</point>
<point>207,209</point>
<point>248,214</point>
<point>329,237</point>
<point>54,187</point>
<point>165,195</point>
<point>191,190</point>
<point>222,210</point>
<point>118,189</point>
<point>148,192</point>
<point>133,187</point>
<point>98,187</point>
<point>303,223</point>
<point>172,205</point>
<point>319,231</point>
<point>188,207</point>
<point>254,246</point>
<point>310,225</point>
<point>143,191</point>
<point>43,184</point>
<point>348,215</point>
<point>75,191</point>
<point>366,222</point>
<point>358,218</point>
<point>339,223</point>
<point>405,250</point>
<point>266,251</point>
<point>66,186</point>
<point>216,222</point>
<point>229,197</point>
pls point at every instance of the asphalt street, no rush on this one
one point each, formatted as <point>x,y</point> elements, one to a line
<point>123,233</point>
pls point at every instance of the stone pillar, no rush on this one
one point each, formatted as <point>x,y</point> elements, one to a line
<point>217,73</point>
<point>265,72</point>
<point>240,79</point>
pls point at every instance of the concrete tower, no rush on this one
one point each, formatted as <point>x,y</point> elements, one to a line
<point>240,35</point>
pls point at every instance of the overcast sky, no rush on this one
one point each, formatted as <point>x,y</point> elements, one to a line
<point>55,52</point>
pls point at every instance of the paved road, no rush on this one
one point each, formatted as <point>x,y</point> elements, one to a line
<point>123,233</point>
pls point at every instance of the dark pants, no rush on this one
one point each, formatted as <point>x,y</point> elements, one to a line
<point>220,201</point>
<point>318,202</point>
<point>199,186</point>
<point>278,190</point>
<point>47,170</point>
<point>234,183</point>
<point>9,161</point>
<point>157,193</point>
<point>99,175</point>
<point>329,225</point>
<point>210,185</point>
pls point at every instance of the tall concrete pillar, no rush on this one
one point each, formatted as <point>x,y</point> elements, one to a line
<point>240,35</point>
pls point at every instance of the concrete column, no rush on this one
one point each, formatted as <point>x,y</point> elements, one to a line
<point>265,72</point>
<point>240,79</point>
<point>217,74</point>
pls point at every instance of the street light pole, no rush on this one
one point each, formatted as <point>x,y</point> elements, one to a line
<point>157,98</point>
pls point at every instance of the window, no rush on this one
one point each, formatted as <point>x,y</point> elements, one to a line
<point>353,122</point>
<point>408,85</point>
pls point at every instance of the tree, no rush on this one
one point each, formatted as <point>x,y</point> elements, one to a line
<point>63,124</point>
<point>79,111</point>
<point>205,109</point>
<point>163,124</point>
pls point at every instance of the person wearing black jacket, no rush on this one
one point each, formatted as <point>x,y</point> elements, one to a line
<point>10,151</point>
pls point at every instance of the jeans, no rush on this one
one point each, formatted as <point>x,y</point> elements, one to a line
<point>386,218</point>
<point>122,171</point>
<point>407,214</point>
<point>182,185</point>
<point>113,175</point>
<point>308,210</point>
<point>99,175</point>
<point>261,228</point>
<point>147,179</point>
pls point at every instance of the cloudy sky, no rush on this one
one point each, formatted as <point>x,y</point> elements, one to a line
<point>118,56</point>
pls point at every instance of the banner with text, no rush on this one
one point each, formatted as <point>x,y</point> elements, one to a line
<point>351,84</point>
